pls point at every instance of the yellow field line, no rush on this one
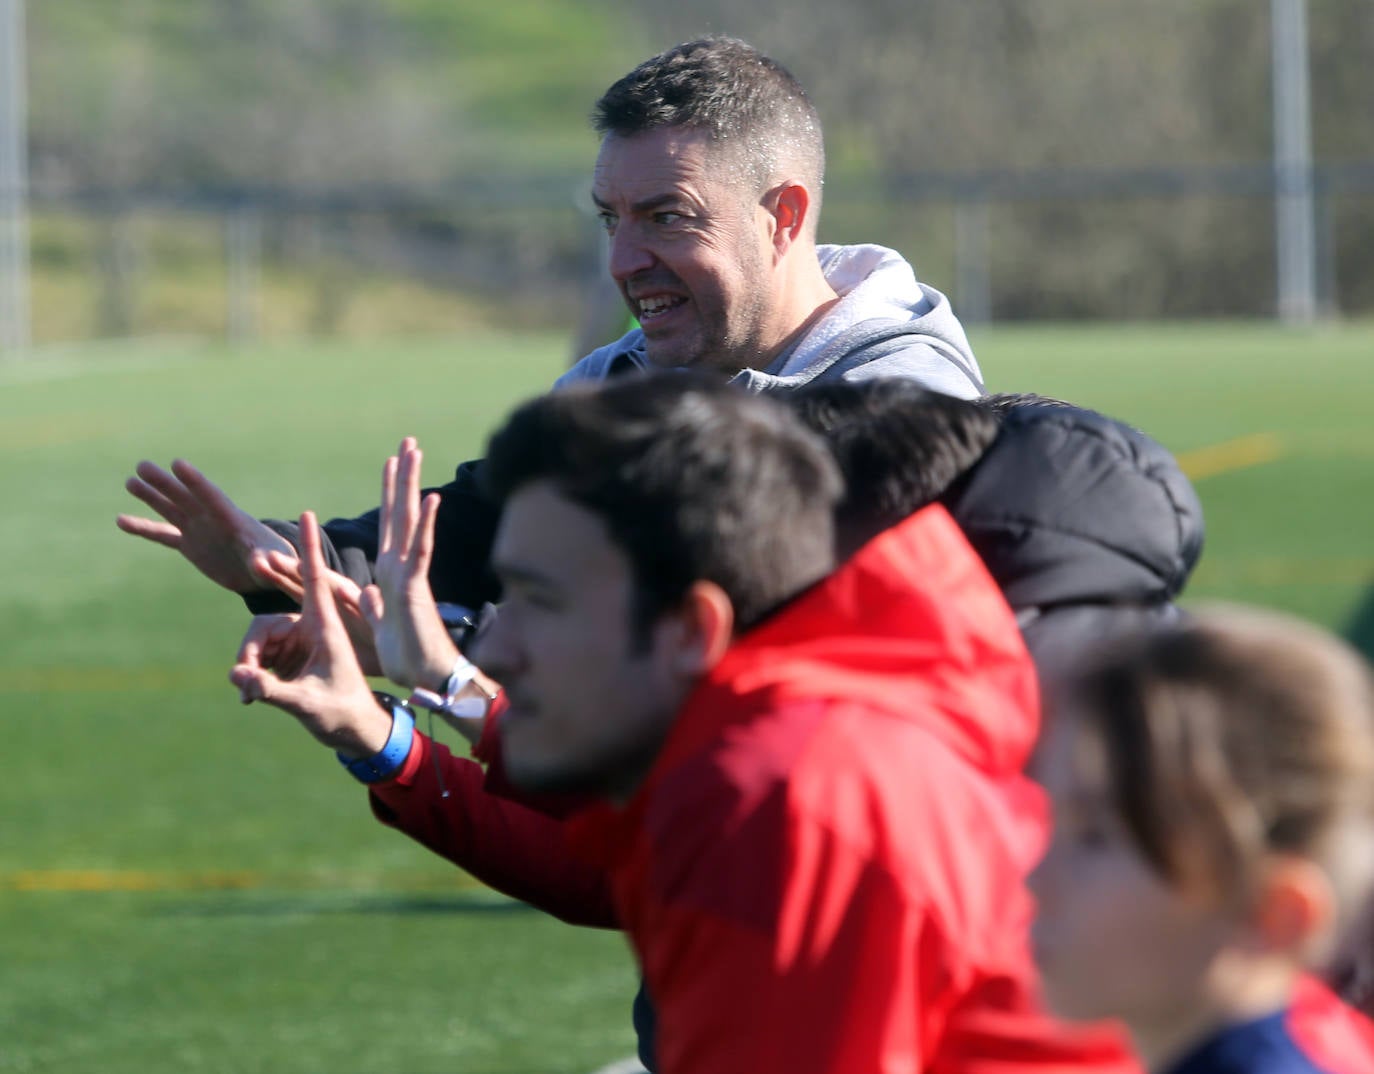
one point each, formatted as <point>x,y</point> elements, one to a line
<point>1230,455</point>
<point>109,880</point>
<point>125,880</point>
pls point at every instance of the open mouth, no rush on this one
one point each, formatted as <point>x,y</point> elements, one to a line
<point>654,306</point>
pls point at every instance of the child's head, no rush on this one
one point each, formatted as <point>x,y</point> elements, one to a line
<point>1213,787</point>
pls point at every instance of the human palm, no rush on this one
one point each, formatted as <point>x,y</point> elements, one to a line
<point>413,646</point>
<point>220,539</point>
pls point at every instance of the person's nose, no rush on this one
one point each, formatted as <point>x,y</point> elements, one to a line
<point>629,253</point>
<point>493,649</point>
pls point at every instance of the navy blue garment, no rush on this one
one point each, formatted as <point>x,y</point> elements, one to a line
<point>1263,1046</point>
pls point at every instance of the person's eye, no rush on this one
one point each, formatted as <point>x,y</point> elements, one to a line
<point>540,601</point>
<point>1091,837</point>
<point>607,221</point>
<point>668,219</point>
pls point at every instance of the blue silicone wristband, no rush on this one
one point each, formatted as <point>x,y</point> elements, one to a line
<point>387,761</point>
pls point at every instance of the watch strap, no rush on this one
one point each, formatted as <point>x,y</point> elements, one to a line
<point>387,761</point>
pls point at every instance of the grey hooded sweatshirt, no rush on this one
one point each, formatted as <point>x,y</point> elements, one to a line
<point>886,324</point>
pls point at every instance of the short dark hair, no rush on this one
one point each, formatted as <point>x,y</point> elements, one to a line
<point>899,447</point>
<point>733,91</point>
<point>1004,403</point>
<point>694,480</point>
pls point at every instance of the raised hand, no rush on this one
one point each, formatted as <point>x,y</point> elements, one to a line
<point>305,664</point>
<point>285,574</point>
<point>222,541</point>
<point>413,646</point>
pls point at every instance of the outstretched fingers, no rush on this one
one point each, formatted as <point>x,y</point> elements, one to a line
<point>400,476</point>
<point>163,533</point>
<point>317,600</point>
<point>373,607</point>
<point>176,494</point>
<point>423,552</point>
<point>201,522</point>
<point>386,538</point>
<point>409,479</point>
<point>203,493</point>
<point>156,488</point>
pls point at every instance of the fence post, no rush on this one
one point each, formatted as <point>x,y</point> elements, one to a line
<point>243,272</point>
<point>1328,276</point>
<point>14,168</point>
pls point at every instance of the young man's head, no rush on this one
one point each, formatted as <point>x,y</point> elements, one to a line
<point>645,521</point>
<point>1213,788</point>
<point>709,185</point>
<point>898,445</point>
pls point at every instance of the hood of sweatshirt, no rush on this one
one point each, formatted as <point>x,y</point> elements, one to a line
<point>886,323</point>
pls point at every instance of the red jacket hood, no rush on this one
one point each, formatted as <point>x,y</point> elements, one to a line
<point>912,625</point>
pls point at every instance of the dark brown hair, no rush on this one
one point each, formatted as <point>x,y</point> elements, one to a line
<point>694,480</point>
<point>1235,735</point>
<point>730,89</point>
<point>899,446</point>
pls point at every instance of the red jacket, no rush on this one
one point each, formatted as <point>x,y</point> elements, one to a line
<point>862,754</point>
<point>823,870</point>
<point>516,846</point>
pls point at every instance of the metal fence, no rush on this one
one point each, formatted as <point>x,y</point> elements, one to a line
<point>247,264</point>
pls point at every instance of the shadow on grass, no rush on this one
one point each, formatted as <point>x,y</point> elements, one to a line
<point>254,904</point>
<point>1360,630</point>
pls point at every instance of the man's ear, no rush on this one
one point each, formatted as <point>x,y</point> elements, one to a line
<point>789,203</point>
<point>1295,906</point>
<point>701,629</point>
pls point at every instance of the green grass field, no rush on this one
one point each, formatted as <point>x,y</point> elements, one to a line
<point>186,884</point>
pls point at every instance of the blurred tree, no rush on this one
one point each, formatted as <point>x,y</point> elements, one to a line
<point>359,98</point>
<point>486,104</point>
<point>318,93</point>
<point>918,86</point>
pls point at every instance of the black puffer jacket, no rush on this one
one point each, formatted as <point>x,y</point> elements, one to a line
<point>1089,526</point>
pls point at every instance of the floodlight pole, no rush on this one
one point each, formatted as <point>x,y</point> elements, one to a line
<point>1294,197</point>
<point>14,170</point>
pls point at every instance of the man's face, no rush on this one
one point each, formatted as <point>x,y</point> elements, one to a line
<point>690,248</point>
<point>590,704</point>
